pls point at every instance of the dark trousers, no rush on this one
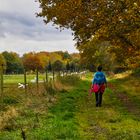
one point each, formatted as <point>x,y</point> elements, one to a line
<point>98,97</point>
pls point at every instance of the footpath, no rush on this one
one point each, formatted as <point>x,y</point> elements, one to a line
<point>75,116</point>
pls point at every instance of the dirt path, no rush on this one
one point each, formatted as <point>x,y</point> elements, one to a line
<point>115,120</point>
<point>126,100</point>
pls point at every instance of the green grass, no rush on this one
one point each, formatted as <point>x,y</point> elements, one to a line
<point>112,120</point>
<point>73,115</point>
<point>10,79</point>
<point>109,122</point>
<point>30,112</point>
<point>19,78</point>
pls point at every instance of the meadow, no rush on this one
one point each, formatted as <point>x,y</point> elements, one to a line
<point>69,113</point>
<point>10,79</point>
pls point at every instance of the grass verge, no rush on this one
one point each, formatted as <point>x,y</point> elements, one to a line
<point>75,117</point>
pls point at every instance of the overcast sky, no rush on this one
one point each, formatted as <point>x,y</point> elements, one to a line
<point>22,32</point>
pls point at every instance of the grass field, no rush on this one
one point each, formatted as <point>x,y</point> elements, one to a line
<point>20,78</point>
<point>71,114</point>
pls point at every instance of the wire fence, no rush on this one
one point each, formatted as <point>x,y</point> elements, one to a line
<point>23,80</point>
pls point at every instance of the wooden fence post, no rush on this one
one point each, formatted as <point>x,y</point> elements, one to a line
<point>37,81</point>
<point>53,76</point>
<point>1,82</point>
<point>25,81</point>
<point>46,76</point>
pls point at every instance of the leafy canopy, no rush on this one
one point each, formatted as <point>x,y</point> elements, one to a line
<point>116,21</point>
<point>113,20</point>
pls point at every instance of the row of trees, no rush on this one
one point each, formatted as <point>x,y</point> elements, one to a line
<point>57,61</point>
<point>106,31</point>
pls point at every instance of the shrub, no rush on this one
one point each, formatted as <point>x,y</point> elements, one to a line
<point>9,100</point>
<point>49,87</point>
<point>7,119</point>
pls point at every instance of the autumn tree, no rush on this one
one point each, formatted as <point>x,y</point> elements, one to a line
<point>116,21</point>
<point>44,58</point>
<point>31,61</point>
<point>65,55</point>
<point>13,62</point>
<point>95,53</point>
<point>57,65</point>
<point>53,56</point>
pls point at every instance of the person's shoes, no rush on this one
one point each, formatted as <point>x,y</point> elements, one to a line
<point>100,105</point>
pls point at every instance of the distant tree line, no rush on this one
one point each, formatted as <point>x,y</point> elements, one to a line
<point>57,61</point>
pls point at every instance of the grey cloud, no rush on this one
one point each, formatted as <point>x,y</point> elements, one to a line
<point>29,28</point>
<point>25,7</point>
<point>16,17</point>
<point>20,27</point>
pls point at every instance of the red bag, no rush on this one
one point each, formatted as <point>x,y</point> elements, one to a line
<point>97,88</point>
<point>94,88</point>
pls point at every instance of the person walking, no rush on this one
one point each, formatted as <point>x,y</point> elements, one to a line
<point>99,83</point>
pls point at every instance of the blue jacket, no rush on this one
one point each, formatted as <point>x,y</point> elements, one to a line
<point>99,78</point>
